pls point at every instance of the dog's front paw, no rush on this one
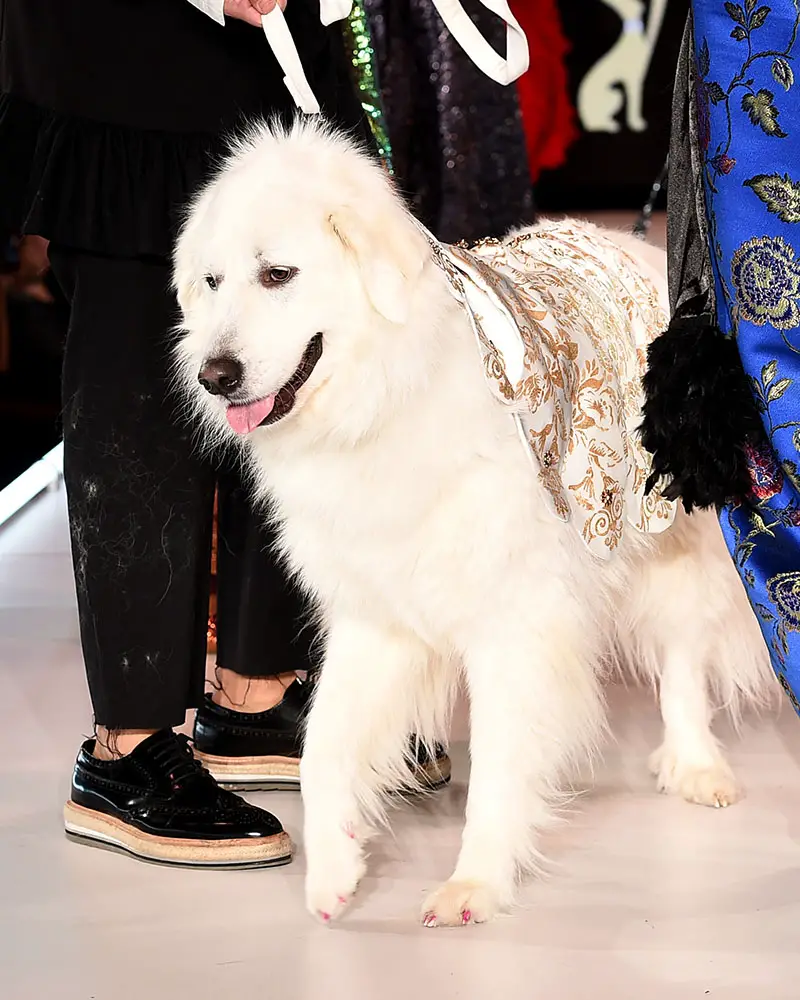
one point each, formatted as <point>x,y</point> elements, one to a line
<point>707,783</point>
<point>335,867</point>
<point>457,903</point>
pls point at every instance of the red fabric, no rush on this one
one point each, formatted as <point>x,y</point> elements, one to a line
<point>547,112</point>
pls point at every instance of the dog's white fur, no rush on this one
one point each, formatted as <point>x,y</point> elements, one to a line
<point>410,512</point>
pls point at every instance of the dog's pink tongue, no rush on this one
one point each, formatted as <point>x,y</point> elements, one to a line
<point>244,419</point>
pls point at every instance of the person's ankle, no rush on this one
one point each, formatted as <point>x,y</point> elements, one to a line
<point>111,744</point>
<point>249,694</point>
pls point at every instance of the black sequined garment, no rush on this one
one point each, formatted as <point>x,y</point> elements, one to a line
<point>457,137</point>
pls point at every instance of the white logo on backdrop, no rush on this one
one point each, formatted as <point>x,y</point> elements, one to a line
<point>617,79</point>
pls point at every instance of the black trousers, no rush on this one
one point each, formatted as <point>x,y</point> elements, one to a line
<point>140,500</point>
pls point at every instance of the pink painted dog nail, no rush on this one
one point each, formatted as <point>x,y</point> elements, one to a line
<point>325,917</point>
<point>429,920</point>
<point>466,916</point>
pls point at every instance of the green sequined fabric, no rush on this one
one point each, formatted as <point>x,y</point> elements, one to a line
<point>362,56</point>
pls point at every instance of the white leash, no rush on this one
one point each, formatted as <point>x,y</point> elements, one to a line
<point>456,20</point>
<point>282,44</point>
<point>466,33</point>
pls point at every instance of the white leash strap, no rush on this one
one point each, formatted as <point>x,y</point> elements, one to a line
<point>334,10</point>
<point>282,44</point>
<point>466,33</point>
<point>455,18</point>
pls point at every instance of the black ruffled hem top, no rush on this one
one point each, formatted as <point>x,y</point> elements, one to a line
<point>112,113</point>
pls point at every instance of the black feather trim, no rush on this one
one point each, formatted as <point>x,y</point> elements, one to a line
<point>699,415</point>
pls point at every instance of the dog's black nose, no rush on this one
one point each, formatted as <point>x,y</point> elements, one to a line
<point>221,376</point>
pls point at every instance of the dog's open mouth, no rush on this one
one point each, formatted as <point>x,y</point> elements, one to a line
<point>261,412</point>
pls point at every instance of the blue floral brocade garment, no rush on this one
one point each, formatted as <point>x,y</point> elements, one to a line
<point>748,127</point>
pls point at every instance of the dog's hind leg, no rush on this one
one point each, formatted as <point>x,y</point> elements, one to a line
<point>697,637</point>
<point>535,707</point>
<point>355,750</point>
<point>690,761</point>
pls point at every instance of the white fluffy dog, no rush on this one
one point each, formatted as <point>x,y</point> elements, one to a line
<point>331,347</point>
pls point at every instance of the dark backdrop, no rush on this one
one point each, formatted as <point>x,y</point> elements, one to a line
<point>605,170</point>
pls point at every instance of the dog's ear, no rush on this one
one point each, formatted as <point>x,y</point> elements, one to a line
<point>389,261</point>
<point>184,257</point>
<point>185,286</point>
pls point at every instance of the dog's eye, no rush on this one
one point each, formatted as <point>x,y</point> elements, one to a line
<point>212,281</point>
<point>277,275</point>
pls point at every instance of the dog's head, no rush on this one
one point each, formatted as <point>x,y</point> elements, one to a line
<point>293,265</point>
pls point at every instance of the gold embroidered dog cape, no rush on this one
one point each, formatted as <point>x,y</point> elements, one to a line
<point>563,317</point>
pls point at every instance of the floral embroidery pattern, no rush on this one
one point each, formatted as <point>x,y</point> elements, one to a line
<point>784,590</point>
<point>563,319</point>
<point>765,473</point>
<point>759,105</point>
<point>747,105</point>
<point>766,276</point>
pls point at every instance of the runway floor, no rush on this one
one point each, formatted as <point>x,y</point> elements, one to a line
<point>649,898</point>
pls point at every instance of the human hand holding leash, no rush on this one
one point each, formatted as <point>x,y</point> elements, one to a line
<point>251,11</point>
<point>268,14</point>
<point>503,69</point>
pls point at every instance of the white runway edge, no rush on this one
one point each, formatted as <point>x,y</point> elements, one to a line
<point>42,475</point>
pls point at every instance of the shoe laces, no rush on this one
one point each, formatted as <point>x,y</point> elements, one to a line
<point>178,759</point>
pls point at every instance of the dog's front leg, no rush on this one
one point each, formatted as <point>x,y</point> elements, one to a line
<point>355,750</point>
<point>534,706</point>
